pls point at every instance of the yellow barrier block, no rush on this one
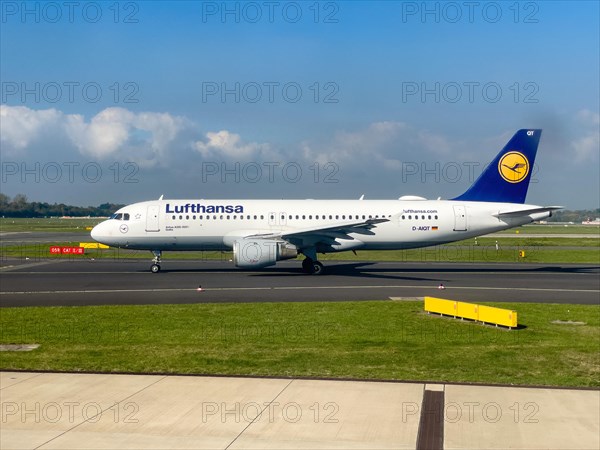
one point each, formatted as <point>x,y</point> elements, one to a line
<point>440,306</point>
<point>500,316</point>
<point>488,314</point>
<point>467,310</point>
<point>92,245</point>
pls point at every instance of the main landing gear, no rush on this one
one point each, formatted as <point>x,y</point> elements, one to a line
<point>155,267</point>
<point>312,267</point>
<point>310,264</point>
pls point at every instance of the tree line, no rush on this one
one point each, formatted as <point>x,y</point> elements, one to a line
<point>565,215</point>
<point>19,206</point>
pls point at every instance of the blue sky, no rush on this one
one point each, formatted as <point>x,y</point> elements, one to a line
<point>124,101</point>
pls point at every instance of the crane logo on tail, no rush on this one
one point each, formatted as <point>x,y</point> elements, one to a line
<point>513,167</point>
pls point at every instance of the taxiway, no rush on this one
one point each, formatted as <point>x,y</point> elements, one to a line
<point>102,282</point>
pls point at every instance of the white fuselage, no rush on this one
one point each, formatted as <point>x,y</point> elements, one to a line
<point>216,224</point>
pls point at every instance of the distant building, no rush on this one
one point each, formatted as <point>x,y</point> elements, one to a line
<point>589,221</point>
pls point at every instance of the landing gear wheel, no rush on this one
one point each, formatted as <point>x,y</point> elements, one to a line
<point>317,268</point>
<point>307,265</point>
<point>155,267</point>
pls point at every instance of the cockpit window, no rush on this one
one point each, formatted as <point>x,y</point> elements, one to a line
<point>120,216</point>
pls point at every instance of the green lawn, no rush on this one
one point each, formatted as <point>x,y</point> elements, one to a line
<point>50,224</point>
<point>555,229</point>
<point>375,340</point>
<point>462,252</point>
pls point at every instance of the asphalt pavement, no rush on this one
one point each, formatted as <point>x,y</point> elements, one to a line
<point>88,282</point>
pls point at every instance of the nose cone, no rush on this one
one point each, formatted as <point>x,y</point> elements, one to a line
<point>94,233</point>
<point>98,233</point>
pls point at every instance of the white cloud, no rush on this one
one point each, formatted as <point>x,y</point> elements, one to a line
<point>229,145</point>
<point>387,144</point>
<point>148,137</point>
<point>20,126</point>
<point>106,133</point>
<point>117,133</point>
<point>143,137</point>
<point>587,144</point>
<point>589,117</point>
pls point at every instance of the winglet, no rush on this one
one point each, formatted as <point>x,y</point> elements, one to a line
<point>506,178</point>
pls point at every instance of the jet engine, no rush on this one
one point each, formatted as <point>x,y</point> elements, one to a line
<point>257,253</point>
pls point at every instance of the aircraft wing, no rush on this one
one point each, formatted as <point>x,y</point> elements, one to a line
<point>526,212</point>
<point>325,233</point>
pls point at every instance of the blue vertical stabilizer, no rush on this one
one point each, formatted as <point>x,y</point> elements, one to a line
<point>506,178</point>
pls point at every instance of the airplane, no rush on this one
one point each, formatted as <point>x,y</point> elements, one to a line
<point>262,232</point>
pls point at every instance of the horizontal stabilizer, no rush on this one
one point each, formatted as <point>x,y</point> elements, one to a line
<point>526,212</point>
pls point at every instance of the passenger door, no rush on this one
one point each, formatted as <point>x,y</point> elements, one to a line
<point>152,218</point>
<point>460,218</point>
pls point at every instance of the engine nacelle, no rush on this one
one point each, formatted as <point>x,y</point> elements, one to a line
<point>257,253</point>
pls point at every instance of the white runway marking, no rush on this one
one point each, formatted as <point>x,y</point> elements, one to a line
<point>15,271</point>
<point>17,267</point>
<point>287,288</point>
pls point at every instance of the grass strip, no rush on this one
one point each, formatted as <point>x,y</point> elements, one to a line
<point>365,340</point>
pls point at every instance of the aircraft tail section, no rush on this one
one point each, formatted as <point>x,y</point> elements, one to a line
<point>506,178</point>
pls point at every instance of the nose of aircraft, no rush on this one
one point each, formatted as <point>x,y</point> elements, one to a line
<point>97,232</point>
<point>94,233</point>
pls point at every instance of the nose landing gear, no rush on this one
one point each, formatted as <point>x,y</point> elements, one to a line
<point>155,267</point>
